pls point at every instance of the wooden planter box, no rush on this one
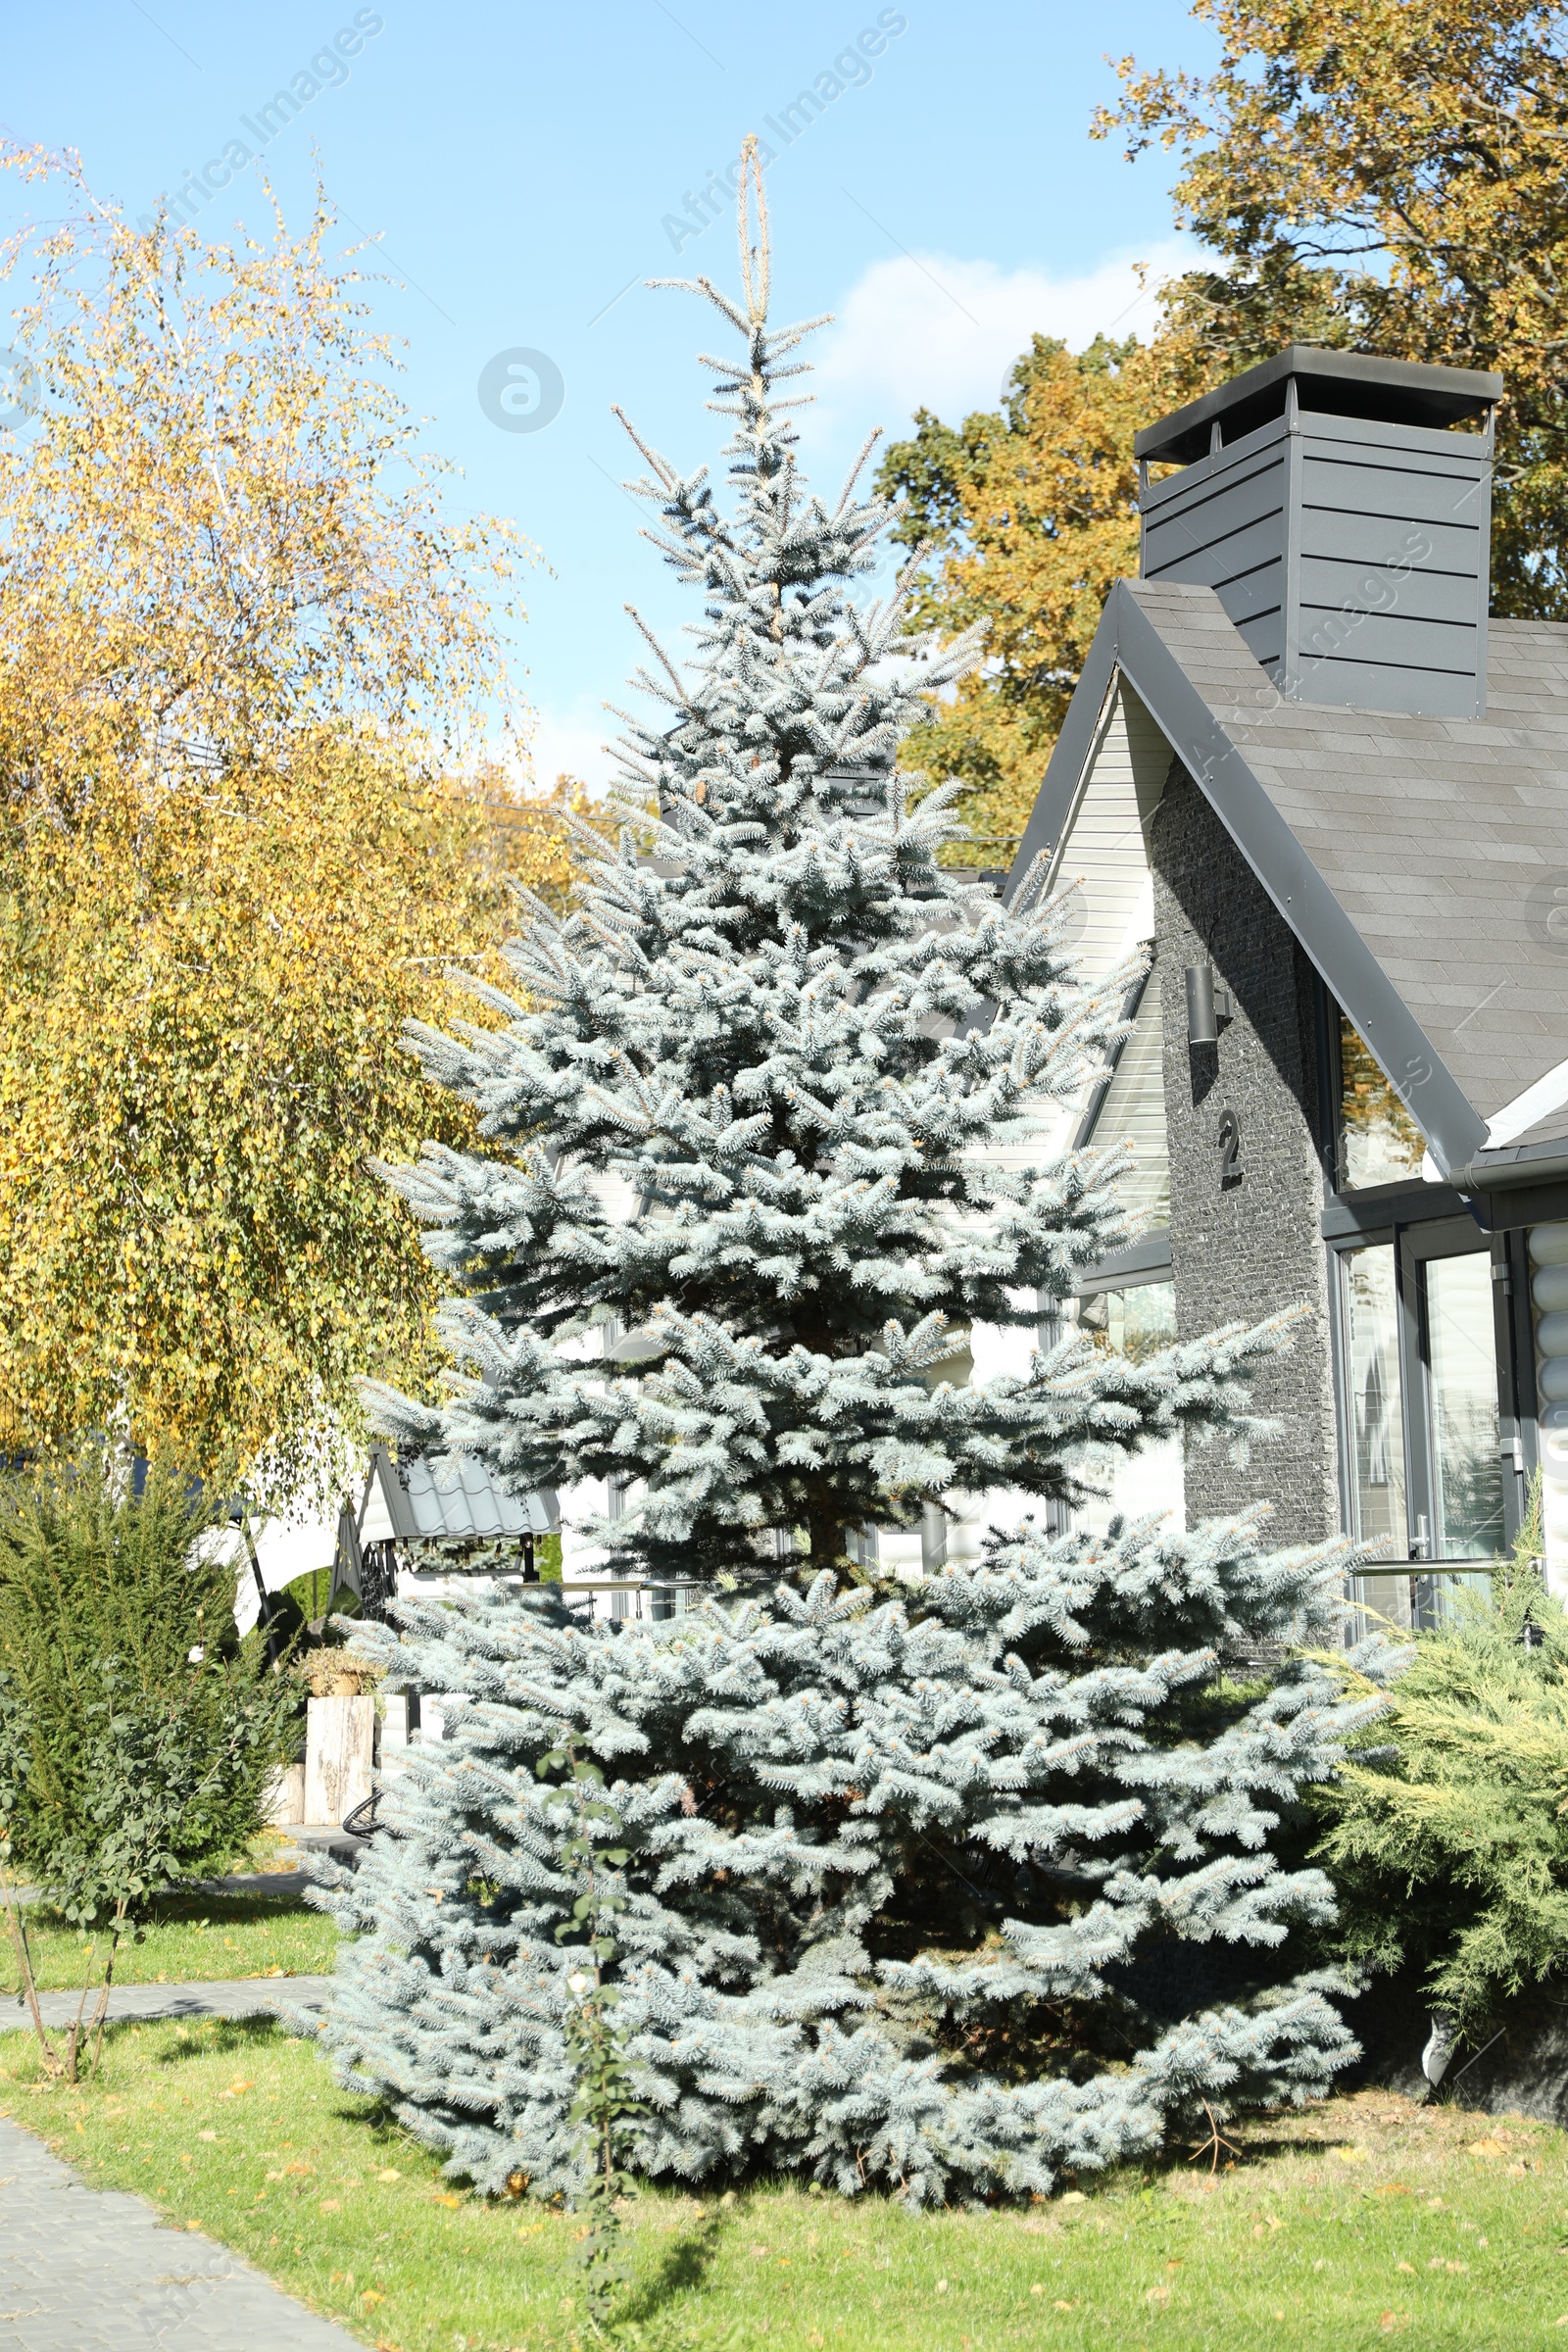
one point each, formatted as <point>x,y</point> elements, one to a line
<point>339,1752</point>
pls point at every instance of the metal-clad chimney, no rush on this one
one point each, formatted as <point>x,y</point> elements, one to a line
<point>1344,527</point>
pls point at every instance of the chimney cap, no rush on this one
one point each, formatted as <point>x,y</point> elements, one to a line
<point>1340,384</point>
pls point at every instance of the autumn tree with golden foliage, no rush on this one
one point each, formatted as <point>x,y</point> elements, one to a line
<point>1390,176</point>
<point>1387,175</point>
<point>244,827</point>
<point>1028,516</point>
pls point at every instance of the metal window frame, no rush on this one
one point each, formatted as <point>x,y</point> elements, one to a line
<point>1419,1248</point>
<point>1415,1246</point>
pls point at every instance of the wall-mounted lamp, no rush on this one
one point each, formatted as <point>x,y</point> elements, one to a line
<point>1207,1006</point>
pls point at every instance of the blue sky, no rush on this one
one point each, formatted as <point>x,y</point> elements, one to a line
<point>525,170</point>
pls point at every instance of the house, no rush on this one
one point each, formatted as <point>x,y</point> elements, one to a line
<point>1330,793</point>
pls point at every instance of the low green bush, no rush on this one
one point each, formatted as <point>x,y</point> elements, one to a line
<point>1448,1828</point>
<point>138,1732</point>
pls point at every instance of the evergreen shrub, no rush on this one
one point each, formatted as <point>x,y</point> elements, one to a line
<point>1448,1826</point>
<point>140,1731</point>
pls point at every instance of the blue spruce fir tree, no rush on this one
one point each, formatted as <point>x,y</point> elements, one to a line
<point>903,1883</point>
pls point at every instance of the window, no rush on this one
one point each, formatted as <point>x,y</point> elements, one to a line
<point>1461,1365</point>
<point>1419,1363</point>
<point>1379,1140</point>
<point>1376,1420</point>
<point>1548,1297</point>
<point>1136,1322</point>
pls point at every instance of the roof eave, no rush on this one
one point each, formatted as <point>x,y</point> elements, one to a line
<point>1506,1170</point>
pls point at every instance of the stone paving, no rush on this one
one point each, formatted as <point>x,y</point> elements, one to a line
<point>235,1996</point>
<point>90,2269</point>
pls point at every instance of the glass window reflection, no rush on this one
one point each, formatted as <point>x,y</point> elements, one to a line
<point>1135,1323</point>
<point>1377,1421</point>
<point>1379,1140</point>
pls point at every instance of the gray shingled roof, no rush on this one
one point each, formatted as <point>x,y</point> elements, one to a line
<point>1441,840</point>
<point>1431,832</point>
<point>452,1499</point>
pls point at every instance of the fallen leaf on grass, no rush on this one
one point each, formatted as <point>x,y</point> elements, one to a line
<point>1037,2288</point>
<point>389,2172</point>
<point>445,2199</point>
<point>329,2205</point>
<point>207,2135</point>
<point>372,2295</point>
<point>1485,2147</point>
<point>1410,2267</point>
<point>1393,2319</point>
<point>1350,2154</point>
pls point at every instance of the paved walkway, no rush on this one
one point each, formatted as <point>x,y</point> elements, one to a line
<point>90,2269</point>
<point>236,1996</point>
<point>291,1882</point>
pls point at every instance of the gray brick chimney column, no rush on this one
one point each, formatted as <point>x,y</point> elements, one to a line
<point>1246,1180</point>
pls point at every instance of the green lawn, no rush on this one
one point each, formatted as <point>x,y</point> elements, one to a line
<point>1367,2219</point>
<point>191,1938</point>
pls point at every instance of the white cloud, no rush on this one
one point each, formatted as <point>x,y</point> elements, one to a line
<point>929,331</point>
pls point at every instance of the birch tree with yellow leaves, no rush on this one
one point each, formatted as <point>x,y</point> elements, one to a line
<point>245,826</point>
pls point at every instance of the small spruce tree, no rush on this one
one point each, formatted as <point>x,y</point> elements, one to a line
<point>904,1880</point>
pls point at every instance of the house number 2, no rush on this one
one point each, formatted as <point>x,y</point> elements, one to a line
<point>1230,1148</point>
